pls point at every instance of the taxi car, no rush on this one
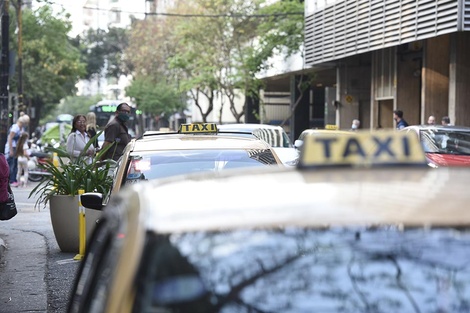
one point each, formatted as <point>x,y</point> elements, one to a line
<point>372,228</point>
<point>312,131</point>
<point>197,147</point>
<point>275,135</point>
<point>444,145</point>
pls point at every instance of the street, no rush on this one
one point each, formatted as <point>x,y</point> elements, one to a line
<point>35,276</point>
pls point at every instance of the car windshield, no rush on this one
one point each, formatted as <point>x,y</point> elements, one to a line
<point>445,141</point>
<point>276,138</point>
<point>380,269</point>
<point>161,164</point>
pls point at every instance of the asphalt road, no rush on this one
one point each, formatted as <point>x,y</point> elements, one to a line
<point>35,276</point>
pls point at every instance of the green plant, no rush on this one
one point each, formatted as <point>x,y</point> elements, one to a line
<point>70,176</point>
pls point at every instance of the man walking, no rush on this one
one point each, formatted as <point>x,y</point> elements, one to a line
<point>398,117</point>
<point>116,132</point>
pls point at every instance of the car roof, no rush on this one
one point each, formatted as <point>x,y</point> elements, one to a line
<point>248,126</point>
<point>439,127</point>
<point>324,131</point>
<point>317,199</point>
<point>363,178</point>
<point>193,141</point>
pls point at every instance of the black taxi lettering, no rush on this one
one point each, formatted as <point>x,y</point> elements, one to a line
<point>354,147</point>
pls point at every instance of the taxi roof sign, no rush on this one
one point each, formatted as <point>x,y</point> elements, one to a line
<point>198,128</point>
<point>362,149</point>
<point>331,127</point>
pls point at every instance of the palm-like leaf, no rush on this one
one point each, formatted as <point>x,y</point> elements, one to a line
<point>74,175</point>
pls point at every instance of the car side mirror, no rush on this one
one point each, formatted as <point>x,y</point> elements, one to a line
<point>92,200</point>
<point>298,143</point>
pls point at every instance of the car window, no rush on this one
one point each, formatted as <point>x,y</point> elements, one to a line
<point>276,138</point>
<point>445,141</point>
<point>160,164</point>
<point>380,269</point>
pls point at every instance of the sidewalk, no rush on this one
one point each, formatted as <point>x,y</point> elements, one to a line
<point>23,258</point>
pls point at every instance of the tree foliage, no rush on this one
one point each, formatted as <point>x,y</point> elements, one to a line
<point>215,48</point>
<point>103,52</point>
<point>51,64</point>
<point>157,98</point>
<point>78,104</point>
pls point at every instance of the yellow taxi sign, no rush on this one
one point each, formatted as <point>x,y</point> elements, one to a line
<point>331,127</point>
<point>361,148</point>
<point>198,128</point>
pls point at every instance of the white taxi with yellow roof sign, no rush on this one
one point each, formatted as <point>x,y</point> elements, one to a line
<point>196,147</point>
<point>392,237</point>
<point>197,128</point>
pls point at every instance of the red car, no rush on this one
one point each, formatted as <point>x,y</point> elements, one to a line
<point>444,145</point>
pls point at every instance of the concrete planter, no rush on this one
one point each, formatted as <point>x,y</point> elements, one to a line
<point>65,221</point>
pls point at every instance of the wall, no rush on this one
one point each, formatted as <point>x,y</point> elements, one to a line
<point>459,94</point>
<point>435,78</point>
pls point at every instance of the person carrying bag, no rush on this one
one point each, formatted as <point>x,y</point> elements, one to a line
<point>7,199</point>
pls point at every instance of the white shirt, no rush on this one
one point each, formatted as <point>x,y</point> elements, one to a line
<point>76,144</point>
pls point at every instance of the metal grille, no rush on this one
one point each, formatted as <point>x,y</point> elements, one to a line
<point>466,15</point>
<point>350,27</point>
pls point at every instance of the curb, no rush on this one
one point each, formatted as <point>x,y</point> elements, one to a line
<point>3,247</point>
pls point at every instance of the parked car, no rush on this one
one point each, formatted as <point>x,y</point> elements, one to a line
<point>360,232</point>
<point>444,145</point>
<point>197,147</point>
<point>275,135</point>
<point>299,141</point>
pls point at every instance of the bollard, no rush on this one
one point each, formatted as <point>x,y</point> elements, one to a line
<point>81,228</point>
<point>55,159</point>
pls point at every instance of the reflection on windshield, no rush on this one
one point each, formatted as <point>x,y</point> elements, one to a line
<point>310,270</point>
<point>161,164</point>
<point>445,141</point>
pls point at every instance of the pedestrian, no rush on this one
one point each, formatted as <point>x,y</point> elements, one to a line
<point>355,124</point>
<point>23,155</point>
<point>78,138</point>
<point>116,133</point>
<point>91,128</point>
<point>431,120</point>
<point>398,117</point>
<point>26,120</point>
<point>14,134</point>
<point>446,121</point>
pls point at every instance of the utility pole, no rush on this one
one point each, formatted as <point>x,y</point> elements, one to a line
<point>20,57</point>
<point>4,72</point>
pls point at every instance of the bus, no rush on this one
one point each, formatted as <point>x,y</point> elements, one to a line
<point>104,111</point>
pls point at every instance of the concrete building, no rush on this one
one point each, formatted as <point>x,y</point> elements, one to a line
<point>370,57</point>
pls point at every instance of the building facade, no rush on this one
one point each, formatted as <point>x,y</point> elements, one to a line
<point>370,57</point>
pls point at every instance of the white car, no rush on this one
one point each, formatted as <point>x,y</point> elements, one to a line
<point>274,135</point>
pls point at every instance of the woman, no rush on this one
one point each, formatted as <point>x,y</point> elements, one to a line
<point>91,128</point>
<point>78,138</point>
<point>10,148</point>
<point>23,154</point>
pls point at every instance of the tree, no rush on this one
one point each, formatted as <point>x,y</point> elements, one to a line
<point>155,87</point>
<point>51,64</point>
<point>157,98</point>
<point>103,52</point>
<point>228,43</point>
<point>213,47</point>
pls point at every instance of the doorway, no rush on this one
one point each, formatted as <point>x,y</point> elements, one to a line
<point>385,116</point>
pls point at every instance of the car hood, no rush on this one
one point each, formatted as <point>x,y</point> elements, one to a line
<point>448,159</point>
